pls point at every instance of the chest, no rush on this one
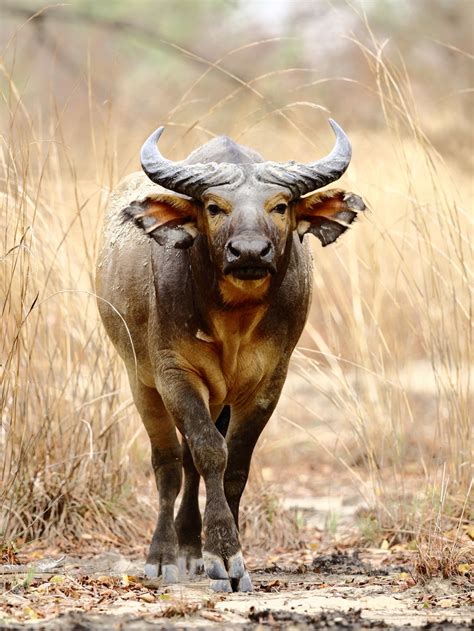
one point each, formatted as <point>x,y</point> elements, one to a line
<point>234,358</point>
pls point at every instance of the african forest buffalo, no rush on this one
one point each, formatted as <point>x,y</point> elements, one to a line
<point>204,284</point>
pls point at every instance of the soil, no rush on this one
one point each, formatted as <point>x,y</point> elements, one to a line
<point>372,589</point>
<point>323,582</point>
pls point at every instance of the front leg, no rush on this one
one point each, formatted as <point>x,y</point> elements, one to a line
<point>185,397</point>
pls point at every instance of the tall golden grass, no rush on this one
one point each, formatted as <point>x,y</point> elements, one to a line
<point>391,323</point>
<point>382,381</point>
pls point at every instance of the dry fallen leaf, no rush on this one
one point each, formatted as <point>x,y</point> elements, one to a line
<point>446,602</point>
<point>128,596</point>
<point>213,617</point>
<point>164,597</point>
<point>30,613</point>
<point>105,580</point>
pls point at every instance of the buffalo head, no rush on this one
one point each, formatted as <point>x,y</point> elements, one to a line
<point>245,207</point>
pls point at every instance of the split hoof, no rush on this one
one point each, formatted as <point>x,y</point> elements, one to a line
<point>150,570</point>
<point>191,566</point>
<point>229,575</point>
<point>236,566</point>
<point>221,585</point>
<point>169,574</point>
<point>243,584</point>
<point>196,567</point>
<point>182,566</point>
<point>214,566</point>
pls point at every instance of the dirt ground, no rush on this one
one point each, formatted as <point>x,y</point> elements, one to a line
<point>346,590</point>
<point>330,586</point>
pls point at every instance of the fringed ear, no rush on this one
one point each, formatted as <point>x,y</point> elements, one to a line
<point>327,214</point>
<point>168,219</point>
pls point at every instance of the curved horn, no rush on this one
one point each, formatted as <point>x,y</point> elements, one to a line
<point>304,178</point>
<point>188,179</point>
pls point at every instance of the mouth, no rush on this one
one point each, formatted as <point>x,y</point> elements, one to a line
<point>250,273</point>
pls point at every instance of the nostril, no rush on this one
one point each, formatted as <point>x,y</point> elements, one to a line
<point>233,250</point>
<point>266,250</point>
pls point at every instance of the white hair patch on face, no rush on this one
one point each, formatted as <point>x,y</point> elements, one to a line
<point>303,227</point>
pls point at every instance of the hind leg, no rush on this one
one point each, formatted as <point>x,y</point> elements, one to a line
<point>167,464</point>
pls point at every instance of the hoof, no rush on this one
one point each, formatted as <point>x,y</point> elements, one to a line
<point>221,585</point>
<point>243,584</point>
<point>215,567</point>
<point>236,566</point>
<point>182,566</point>
<point>150,570</point>
<point>169,574</point>
<point>196,566</point>
<point>192,566</point>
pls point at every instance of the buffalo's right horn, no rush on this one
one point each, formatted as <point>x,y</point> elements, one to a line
<point>188,179</point>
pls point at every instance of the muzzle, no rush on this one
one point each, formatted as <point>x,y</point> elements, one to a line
<point>249,258</point>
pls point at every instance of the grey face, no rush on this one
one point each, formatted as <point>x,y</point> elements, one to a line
<point>247,227</point>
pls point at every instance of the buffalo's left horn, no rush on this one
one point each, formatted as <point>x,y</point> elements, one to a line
<point>304,178</point>
<point>188,179</point>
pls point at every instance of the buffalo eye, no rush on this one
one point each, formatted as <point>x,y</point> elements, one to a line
<point>214,210</point>
<point>280,209</point>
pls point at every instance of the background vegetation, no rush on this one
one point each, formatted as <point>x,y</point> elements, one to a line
<point>380,392</point>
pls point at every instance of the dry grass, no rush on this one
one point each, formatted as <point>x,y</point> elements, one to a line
<point>64,459</point>
<point>389,341</point>
<point>385,389</point>
<point>264,519</point>
<point>439,555</point>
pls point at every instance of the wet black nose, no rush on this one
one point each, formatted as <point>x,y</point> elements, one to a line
<point>249,251</point>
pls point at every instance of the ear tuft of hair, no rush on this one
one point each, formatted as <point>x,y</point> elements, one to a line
<point>328,214</point>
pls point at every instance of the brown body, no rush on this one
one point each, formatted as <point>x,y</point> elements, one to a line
<point>205,301</point>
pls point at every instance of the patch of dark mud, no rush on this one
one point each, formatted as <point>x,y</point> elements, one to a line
<point>336,563</point>
<point>344,563</point>
<point>351,620</point>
